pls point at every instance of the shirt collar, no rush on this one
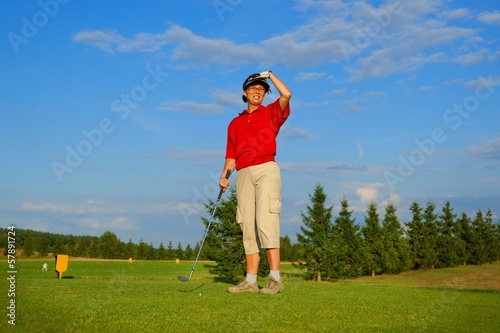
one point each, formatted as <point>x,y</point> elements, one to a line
<point>259,108</point>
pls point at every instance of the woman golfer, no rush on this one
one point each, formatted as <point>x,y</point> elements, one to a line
<point>251,150</point>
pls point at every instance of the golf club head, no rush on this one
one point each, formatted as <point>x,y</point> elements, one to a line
<point>182,278</point>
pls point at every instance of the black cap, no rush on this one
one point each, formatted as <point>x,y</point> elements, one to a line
<point>252,80</point>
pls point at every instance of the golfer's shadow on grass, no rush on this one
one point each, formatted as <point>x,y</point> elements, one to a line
<point>193,289</point>
<point>226,280</point>
<point>215,279</point>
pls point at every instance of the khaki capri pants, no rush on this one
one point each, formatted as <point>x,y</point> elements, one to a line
<point>258,191</point>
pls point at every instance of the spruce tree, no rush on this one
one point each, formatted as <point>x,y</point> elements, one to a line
<point>151,252</point>
<point>130,249</point>
<point>429,246</point>
<point>162,252</point>
<point>414,233</point>
<point>224,242</point>
<point>395,252</point>
<point>348,251</point>
<point>464,235</point>
<point>170,255</point>
<point>189,253</point>
<point>490,238</point>
<point>142,250</point>
<point>372,237</point>
<point>316,237</point>
<point>482,238</point>
<point>496,234</point>
<point>286,249</point>
<point>478,253</point>
<point>179,252</point>
<point>447,245</point>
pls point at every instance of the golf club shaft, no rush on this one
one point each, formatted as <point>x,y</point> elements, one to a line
<point>228,173</point>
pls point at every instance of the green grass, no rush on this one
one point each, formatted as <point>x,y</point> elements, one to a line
<point>117,296</point>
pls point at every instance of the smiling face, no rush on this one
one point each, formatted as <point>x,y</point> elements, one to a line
<point>255,94</point>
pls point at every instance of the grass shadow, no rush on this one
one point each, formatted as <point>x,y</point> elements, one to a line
<point>193,289</point>
<point>226,280</point>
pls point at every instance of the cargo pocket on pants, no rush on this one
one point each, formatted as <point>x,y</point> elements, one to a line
<point>275,202</point>
<point>239,218</point>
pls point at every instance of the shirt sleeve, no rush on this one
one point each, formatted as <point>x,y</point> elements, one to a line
<point>278,115</point>
<point>230,150</point>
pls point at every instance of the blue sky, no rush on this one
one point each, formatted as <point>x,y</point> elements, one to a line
<point>114,114</point>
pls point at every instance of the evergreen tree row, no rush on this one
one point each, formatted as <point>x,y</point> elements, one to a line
<point>340,249</point>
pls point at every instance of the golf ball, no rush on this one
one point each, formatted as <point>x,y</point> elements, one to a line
<point>200,295</point>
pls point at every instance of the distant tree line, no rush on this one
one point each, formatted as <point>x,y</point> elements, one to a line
<point>31,243</point>
<point>328,248</point>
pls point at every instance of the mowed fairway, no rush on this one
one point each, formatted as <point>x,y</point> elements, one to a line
<point>145,296</point>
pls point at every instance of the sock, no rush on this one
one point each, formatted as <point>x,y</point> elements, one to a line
<point>275,274</point>
<point>251,278</point>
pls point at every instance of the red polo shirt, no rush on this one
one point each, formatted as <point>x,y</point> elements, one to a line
<point>251,138</point>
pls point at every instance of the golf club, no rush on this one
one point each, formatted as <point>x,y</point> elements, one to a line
<point>183,278</point>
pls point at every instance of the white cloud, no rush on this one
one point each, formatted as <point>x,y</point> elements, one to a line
<point>494,80</point>
<point>100,223</point>
<point>490,17</point>
<point>222,99</point>
<point>104,40</point>
<point>372,41</point>
<point>123,223</point>
<point>290,132</point>
<point>471,58</point>
<point>490,149</point>
<point>351,109</point>
<point>494,57</point>
<point>190,106</point>
<point>362,194</point>
<point>39,226</point>
<point>367,194</point>
<point>338,92</point>
<point>225,98</point>
<point>63,208</point>
<point>305,76</point>
<point>86,222</point>
<point>455,14</point>
<point>116,212</point>
<point>375,192</point>
<point>394,199</point>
